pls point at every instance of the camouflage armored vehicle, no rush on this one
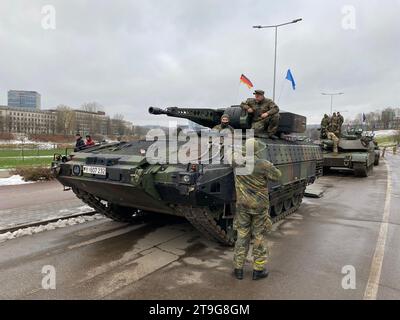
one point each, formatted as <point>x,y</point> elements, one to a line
<point>119,181</point>
<point>356,152</point>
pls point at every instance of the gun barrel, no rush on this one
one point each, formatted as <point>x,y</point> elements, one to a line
<point>156,111</point>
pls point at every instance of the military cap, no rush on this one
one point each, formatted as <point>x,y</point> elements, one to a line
<point>259,92</point>
<point>225,116</point>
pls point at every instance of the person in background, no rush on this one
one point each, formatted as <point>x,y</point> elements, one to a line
<point>89,142</point>
<point>79,144</point>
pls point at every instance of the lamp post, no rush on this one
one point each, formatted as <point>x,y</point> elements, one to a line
<point>276,44</point>
<point>331,95</point>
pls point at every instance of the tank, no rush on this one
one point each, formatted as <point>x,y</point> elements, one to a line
<point>356,152</point>
<point>119,181</point>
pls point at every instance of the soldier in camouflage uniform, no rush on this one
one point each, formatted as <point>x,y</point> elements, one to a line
<point>340,122</point>
<point>265,113</point>
<point>324,126</point>
<point>224,124</point>
<point>252,214</point>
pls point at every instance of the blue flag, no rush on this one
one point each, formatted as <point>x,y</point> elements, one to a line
<point>289,77</point>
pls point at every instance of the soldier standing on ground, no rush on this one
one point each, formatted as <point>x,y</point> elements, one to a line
<point>265,113</point>
<point>252,213</point>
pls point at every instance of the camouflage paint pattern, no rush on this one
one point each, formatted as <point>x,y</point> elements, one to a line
<point>252,217</point>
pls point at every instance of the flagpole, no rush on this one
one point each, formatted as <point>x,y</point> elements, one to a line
<point>283,87</point>
<point>238,90</point>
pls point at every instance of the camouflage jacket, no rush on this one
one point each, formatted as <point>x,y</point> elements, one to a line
<point>325,122</point>
<point>218,127</point>
<point>252,190</point>
<point>267,105</point>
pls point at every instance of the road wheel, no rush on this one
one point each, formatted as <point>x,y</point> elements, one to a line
<point>296,200</point>
<point>277,209</point>
<point>287,204</point>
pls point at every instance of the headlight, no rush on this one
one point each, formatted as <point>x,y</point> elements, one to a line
<point>186,179</point>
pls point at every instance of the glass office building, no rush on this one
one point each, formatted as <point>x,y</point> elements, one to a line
<point>24,99</point>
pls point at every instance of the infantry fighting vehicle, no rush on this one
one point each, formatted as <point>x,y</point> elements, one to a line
<point>119,181</point>
<point>356,152</point>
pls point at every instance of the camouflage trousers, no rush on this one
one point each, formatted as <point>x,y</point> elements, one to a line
<point>268,125</point>
<point>251,226</point>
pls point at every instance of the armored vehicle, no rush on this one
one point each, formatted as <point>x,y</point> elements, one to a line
<point>121,182</point>
<point>356,152</point>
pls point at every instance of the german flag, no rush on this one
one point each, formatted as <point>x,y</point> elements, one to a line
<point>246,81</point>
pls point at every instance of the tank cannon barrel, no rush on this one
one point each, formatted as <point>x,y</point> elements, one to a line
<point>157,111</point>
<point>205,117</point>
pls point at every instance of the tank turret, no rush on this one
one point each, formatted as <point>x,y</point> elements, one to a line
<point>239,119</point>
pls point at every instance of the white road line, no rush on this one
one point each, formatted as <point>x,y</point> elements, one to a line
<point>371,291</point>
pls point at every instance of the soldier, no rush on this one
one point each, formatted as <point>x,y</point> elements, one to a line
<point>340,121</point>
<point>324,126</point>
<point>335,139</point>
<point>252,217</point>
<point>265,113</point>
<point>224,124</point>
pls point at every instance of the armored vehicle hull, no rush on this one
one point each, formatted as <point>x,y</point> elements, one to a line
<point>355,153</point>
<point>118,181</point>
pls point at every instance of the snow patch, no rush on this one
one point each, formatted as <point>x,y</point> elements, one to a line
<point>386,133</point>
<point>13,180</point>
<point>61,223</point>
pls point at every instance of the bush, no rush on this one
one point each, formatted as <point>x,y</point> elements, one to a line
<point>34,173</point>
<point>6,136</point>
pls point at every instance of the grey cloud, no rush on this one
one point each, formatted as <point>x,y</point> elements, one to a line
<point>128,55</point>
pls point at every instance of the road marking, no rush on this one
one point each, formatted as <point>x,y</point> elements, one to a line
<point>371,291</point>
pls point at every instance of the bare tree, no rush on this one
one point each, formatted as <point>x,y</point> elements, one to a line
<point>92,107</point>
<point>65,122</point>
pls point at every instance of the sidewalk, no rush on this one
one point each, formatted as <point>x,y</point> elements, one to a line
<point>35,202</point>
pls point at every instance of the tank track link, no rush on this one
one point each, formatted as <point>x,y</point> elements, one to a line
<point>107,211</point>
<point>208,226</point>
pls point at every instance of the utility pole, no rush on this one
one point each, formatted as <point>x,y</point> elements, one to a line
<point>276,45</point>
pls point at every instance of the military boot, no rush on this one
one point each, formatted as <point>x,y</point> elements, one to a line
<point>238,274</point>
<point>260,274</point>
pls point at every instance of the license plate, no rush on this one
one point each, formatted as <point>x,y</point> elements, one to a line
<point>94,170</point>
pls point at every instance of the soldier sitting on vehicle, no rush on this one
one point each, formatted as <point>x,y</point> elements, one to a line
<point>333,134</point>
<point>264,113</point>
<point>224,124</point>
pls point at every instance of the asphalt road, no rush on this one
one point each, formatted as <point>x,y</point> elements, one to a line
<point>355,226</point>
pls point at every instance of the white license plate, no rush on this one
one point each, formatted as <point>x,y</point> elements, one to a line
<point>94,170</point>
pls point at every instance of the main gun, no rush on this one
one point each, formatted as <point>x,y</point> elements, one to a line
<point>204,117</point>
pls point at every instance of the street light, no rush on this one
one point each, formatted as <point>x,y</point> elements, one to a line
<point>276,42</point>
<point>332,94</point>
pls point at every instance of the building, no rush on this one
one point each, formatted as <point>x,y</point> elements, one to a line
<point>26,120</point>
<point>87,122</point>
<point>24,99</point>
<point>64,121</point>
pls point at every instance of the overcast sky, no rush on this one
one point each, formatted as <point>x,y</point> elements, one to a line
<point>129,55</point>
